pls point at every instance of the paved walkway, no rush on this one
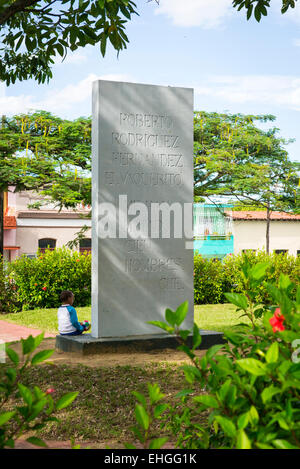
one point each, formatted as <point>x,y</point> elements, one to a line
<point>13,332</point>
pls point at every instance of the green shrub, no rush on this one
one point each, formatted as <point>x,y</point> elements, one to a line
<point>209,281</point>
<point>37,283</point>
<point>249,388</point>
<point>40,280</point>
<point>36,407</point>
<point>213,277</point>
<point>9,302</point>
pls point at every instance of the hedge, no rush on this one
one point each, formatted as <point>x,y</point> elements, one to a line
<point>213,277</point>
<point>36,283</point>
<point>39,281</point>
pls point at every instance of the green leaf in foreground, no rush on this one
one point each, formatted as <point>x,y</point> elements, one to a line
<point>13,356</point>
<point>227,426</point>
<point>25,394</point>
<point>269,392</point>
<point>28,345</point>
<point>142,417</point>
<point>38,339</point>
<point>272,353</point>
<point>253,366</point>
<point>197,339</point>
<point>208,401</point>
<point>36,441</point>
<point>283,444</point>
<point>5,417</point>
<point>181,312</point>
<point>158,443</point>
<point>243,441</point>
<point>66,400</point>
<point>238,300</point>
<point>41,356</point>
<point>161,325</point>
<point>170,317</point>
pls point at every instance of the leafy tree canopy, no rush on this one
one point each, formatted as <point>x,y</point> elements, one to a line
<point>34,32</point>
<point>259,8</point>
<point>44,153</point>
<point>235,158</point>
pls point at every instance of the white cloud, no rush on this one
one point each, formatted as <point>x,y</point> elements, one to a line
<point>277,90</point>
<point>67,99</point>
<point>296,42</point>
<point>75,99</point>
<point>205,13</point>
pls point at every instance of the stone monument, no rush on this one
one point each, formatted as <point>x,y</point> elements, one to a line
<point>142,200</point>
<point>142,153</point>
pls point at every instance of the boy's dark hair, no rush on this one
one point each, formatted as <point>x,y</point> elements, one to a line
<point>65,295</point>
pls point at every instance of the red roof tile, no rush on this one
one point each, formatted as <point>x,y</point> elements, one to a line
<point>9,222</point>
<point>261,215</point>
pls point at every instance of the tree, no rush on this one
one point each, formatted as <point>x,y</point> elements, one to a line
<point>259,8</point>
<point>44,153</point>
<point>33,32</point>
<point>234,158</point>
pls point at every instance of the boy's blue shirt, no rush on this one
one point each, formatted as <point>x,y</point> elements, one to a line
<point>74,318</point>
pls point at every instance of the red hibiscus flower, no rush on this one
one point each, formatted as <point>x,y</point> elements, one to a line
<point>44,288</point>
<point>50,391</point>
<point>276,321</point>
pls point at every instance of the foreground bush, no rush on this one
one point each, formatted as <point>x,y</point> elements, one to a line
<point>250,387</point>
<point>213,278</point>
<point>40,280</point>
<point>36,407</point>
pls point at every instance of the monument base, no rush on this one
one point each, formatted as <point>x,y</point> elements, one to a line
<point>87,345</point>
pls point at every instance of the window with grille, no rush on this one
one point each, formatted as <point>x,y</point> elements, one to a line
<point>47,243</point>
<point>85,245</point>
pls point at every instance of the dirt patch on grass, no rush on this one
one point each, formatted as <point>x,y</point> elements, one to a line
<point>108,359</point>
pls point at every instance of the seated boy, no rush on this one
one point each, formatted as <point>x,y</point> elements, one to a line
<point>67,317</point>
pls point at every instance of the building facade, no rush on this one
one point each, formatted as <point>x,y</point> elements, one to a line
<point>27,230</point>
<point>249,228</point>
<point>218,231</point>
<point>213,230</point>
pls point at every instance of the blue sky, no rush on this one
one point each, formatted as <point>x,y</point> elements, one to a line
<point>233,64</point>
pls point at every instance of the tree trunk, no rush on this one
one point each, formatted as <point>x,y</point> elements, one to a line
<point>268,230</point>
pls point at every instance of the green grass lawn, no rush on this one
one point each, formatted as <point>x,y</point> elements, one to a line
<point>44,319</point>
<point>104,408</point>
<point>218,317</point>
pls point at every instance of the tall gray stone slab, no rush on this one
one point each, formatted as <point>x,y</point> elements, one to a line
<point>142,140</point>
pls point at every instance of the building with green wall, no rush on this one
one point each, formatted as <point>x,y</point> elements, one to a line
<point>213,230</point>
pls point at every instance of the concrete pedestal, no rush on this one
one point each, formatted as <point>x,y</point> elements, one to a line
<point>87,345</point>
